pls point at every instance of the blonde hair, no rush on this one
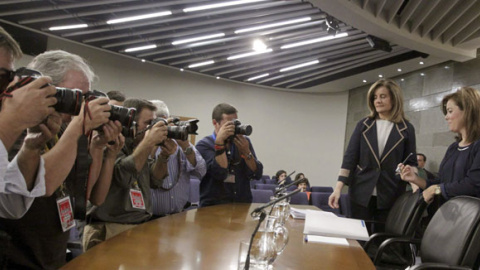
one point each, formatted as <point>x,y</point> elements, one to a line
<point>7,42</point>
<point>396,114</point>
<point>468,100</point>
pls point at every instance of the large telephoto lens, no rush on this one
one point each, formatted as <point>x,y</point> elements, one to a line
<point>124,115</point>
<point>69,101</point>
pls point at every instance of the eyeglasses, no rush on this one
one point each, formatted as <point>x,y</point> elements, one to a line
<point>6,77</point>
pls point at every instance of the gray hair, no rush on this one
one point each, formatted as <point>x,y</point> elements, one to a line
<point>57,63</point>
<point>162,109</point>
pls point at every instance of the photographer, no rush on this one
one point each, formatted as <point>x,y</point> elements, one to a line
<point>25,108</point>
<point>44,225</point>
<point>128,202</point>
<point>183,161</point>
<point>231,161</point>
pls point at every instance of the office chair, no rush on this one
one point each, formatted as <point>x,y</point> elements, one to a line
<point>452,238</point>
<point>261,195</point>
<point>320,200</point>
<point>321,189</point>
<point>402,220</point>
<point>299,198</point>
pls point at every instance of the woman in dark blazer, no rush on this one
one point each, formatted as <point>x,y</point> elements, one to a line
<point>459,172</point>
<point>378,144</point>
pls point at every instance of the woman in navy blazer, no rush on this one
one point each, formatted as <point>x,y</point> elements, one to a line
<point>378,144</point>
<point>459,172</point>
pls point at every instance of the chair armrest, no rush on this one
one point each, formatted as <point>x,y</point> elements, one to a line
<point>389,241</point>
<point>435,266</point>
<point>375,237</point>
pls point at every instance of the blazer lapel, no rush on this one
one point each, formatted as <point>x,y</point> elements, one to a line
<point>370,135</point>
<point>394,139</point>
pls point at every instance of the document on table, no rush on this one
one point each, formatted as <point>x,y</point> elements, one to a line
<point>326,240</point>
<point>325,224</point>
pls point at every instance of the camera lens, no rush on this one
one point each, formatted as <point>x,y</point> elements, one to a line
<point>69,101</point>
<point>242,129</point>
<point>124,115</point>
<point>177,132</point>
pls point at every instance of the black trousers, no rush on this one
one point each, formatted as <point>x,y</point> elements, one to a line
<point>371,213</point>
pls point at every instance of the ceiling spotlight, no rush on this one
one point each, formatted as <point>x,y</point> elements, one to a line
<point>332,25</point>
<point>422,74</point>
<point>364,81</point>
<point>421,63</point>
<point>218,78</point>
<point>399,69</point>
<point>181,69</point>
<point>402,79</point>
<point>447,67</point>
<point>259,45</point>
<point>379,44</point>
<point>143,60</point>
<point>380,75</point>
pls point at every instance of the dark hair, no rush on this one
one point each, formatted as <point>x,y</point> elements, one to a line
<point>424,157</point>
<point>304,180</point>
<point>280,172</point>
<point>298,176</point>
<point>468,100</point>
<point>116,95</point>
<point>396,97</point>
<point>139,105</point>
<point>221,109</point>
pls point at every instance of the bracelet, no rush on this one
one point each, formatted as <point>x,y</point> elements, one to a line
<point>218,147</point>
<point>219,152</point>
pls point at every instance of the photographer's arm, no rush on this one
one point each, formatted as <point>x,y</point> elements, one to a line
<point>160,167</point>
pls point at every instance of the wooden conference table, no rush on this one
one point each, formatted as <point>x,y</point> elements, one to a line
<point>208,238</point>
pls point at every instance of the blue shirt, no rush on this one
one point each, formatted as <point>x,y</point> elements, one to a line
<point>213,189</point>
<point>175,190</point>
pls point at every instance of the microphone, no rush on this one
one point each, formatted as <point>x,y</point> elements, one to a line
<point>261,208</point>
<point>294,183</point>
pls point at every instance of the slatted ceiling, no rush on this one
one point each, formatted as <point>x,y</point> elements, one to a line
<point>343,56</point>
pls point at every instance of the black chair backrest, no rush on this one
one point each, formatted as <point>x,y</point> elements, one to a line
<point>452,236</point>
<point>405,214</point>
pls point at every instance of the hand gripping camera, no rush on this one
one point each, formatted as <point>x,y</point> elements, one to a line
<point>69,101</point>
<point>242,129</point>
<point>181,129</point>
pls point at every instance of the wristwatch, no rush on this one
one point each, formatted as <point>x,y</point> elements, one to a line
<point>188,151</point>
<point>438,190</point>
<point>249,156</point>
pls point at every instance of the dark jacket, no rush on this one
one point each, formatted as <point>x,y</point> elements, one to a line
<point>363,169</point>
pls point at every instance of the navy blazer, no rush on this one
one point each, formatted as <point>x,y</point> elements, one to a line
<point>363,169</point>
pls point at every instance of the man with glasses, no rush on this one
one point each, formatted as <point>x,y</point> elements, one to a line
<point>23,108</point>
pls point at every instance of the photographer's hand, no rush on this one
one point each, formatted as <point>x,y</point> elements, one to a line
<point>244,149</point>
<point>28,106</point>
<point>226,130</point>
<point>39,135</point>
<point>169,147</point>
<point>98,113</point>
<point>109,133</point>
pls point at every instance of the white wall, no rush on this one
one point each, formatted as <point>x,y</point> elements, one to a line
<point>291,131</point>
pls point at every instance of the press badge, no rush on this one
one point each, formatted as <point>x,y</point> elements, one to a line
<point>136,197</point>
<point>230,178</point>
<point>64,206</point>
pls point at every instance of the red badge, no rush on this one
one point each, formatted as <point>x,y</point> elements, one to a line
<point>137,199</point>
<point>65,213</point>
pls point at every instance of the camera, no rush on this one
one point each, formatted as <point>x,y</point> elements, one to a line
<point>125,116</point>
<point>242,129</point>
<point>69,101</point>
<point>181,129</point>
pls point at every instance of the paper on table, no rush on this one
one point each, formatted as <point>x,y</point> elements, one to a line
<point>321,223</point>
<point>326,239</point>
<point>298,213</point>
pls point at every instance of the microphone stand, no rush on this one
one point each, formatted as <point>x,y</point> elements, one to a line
<point>284,188</point>
<point>259,212</point>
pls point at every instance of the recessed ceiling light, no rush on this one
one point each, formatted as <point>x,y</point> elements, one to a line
<point>181,69</point>
<point>364,81</point>
<point>421,63</point>
<point>447,67</point>
<point>402,79</point>
<point>259,45</point>
<point>399,69</point>
<point>65,27</point>
<point>220,5</point>
<point>258,77</point>
<point>188,40</point>
<point>237,56</point>
<point>265,26</point>
<point>311,41</point>
<point>201,64</point>
<point>140,17</point>
<point>143,60</point>
<point>300,65</point>
<point>218,78</point>
<point>380,75</point>
<point>422,74</point>
<point>141,48</point>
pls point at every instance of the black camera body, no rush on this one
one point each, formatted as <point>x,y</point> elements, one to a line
<point>69,101</point>
<point>181,129</point>
<point>242,129</point>
<point>125,116</point>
